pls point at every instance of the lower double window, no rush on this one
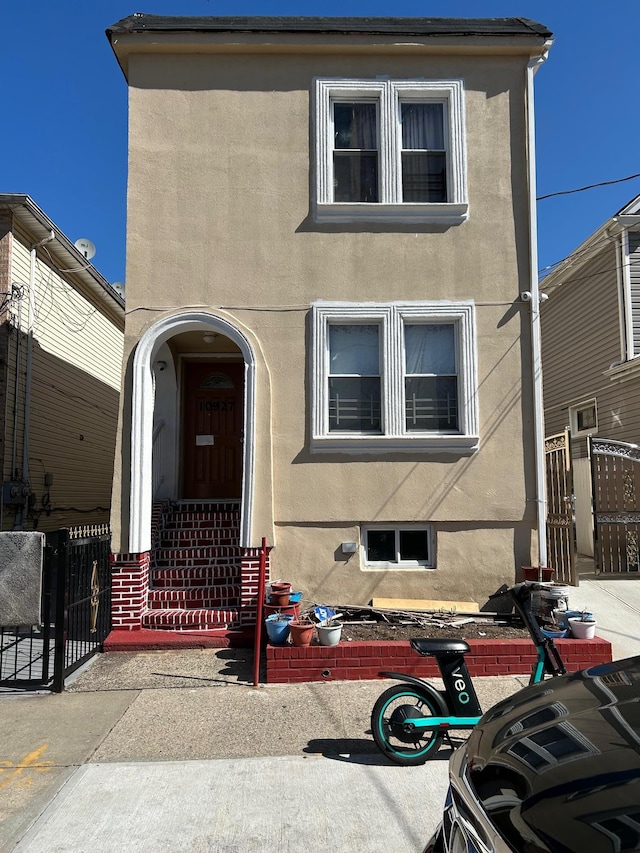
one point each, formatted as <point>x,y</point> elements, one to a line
<point>394,375</point>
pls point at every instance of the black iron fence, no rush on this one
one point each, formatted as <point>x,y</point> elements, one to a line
<point>76,612</point>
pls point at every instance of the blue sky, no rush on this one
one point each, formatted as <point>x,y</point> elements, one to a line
<point>64,128</point>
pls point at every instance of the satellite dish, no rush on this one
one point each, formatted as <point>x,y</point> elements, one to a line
<point>118,286</point>
<point>85,247</point>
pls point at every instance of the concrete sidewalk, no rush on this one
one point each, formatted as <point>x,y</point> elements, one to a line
<point>177,751</point>
<point>155,751</point>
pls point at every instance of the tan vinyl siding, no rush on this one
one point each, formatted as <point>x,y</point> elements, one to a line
<point>76,365</point>
<point>580,342</point>
<point>580,339</point>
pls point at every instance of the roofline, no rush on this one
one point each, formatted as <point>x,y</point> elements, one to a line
<point>140,22</point>
<point>583,253</point>
<point>26,211</point>
<point>141,33</point>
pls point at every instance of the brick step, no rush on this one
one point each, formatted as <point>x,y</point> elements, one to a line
<point>198,538</point>
<point>176,619</point>
<point>202,597</point>
<point>198,576</point>
<point>206,555</point>
<point>181,521</point>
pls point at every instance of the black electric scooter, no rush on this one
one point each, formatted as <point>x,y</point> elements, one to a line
<point>410,720</point>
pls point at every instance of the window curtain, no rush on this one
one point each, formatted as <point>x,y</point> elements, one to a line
<point>430,349</point>
<point>422,126</point>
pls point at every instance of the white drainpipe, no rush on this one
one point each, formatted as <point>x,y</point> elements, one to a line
<point>533,297</point>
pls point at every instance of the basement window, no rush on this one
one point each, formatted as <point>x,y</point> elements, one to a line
<point>399,546</point>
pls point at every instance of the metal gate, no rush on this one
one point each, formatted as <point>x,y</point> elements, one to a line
<point>615,477</point>
<point>76,612</point>
<point>561,541</point>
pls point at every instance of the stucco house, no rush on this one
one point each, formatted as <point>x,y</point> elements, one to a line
<point>331,222</point>
<point>61,343</point>
<point>590,326</point>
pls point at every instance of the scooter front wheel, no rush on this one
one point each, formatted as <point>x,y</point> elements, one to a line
<point>391,728</point>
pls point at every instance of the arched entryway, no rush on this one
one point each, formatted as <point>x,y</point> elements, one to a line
<point>205,369</point>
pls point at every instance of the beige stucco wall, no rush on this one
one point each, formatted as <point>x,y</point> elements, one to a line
<point>219,216</point>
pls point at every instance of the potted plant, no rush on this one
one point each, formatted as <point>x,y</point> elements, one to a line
<point>329,628</point>
<point>329,632</point>
<point>279,594</point>
<point>277,625</point>
<point>301,631</point>
<point>583,627</point>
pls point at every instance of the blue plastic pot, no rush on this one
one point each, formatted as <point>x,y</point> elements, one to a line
<point>277,626</point>
<point>295,597</point>
<point>555,635</point>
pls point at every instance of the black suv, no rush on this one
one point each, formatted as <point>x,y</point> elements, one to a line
<point>556,767</point>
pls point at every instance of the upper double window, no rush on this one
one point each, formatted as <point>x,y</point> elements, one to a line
<point>390,151</point>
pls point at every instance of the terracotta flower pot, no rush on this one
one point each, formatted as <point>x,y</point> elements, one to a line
<point>279,599</point>
<point>292,609</point>
<point>280,586</point>
<point>542,574</point>
<point>301,633</point>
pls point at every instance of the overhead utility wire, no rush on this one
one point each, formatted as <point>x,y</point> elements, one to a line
<point>588,187</point>
<point>593,247</point>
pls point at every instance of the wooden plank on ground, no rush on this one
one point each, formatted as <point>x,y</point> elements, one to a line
<point>424,604</point>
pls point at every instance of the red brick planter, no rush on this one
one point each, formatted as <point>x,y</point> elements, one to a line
<point>351,661</point>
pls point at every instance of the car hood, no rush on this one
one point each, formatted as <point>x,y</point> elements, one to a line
<point>557,765</point>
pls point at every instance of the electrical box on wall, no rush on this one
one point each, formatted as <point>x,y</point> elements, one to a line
<point>14,493</point>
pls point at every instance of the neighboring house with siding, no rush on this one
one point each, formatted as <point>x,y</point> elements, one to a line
<point>591,348</point>
<point>328,234</point>
<point>61,339</point>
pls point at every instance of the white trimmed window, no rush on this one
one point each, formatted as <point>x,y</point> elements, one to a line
<point>394,376</point>
<point>390,150</point>
<point>397,546</point>
<point>584,419</point>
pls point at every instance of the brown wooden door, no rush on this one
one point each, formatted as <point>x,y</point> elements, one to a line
<point>212,430</point>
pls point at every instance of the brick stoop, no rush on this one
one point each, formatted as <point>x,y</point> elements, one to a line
<point>195,573</point>
<point>363,660</point>
<point>154,640</point>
